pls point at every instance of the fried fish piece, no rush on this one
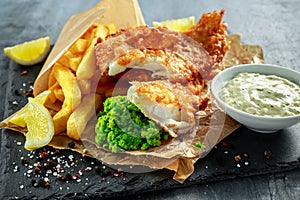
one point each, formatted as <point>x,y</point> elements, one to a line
<point>171,105</point>
<point>211,32</point>
<point>167,54</point>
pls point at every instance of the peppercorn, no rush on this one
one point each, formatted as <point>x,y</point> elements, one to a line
<point>68,177</point>
<point>267,154</point>
<point>71,144</point>
<point>24,160</point>
<point>59,177</point>
<point>106,172</point>
<point>237,158</point>
<point>37,170</point>
<point>17,93</point>
<point>98,169</point>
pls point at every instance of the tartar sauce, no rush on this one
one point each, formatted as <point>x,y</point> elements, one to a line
<point>264,95</point>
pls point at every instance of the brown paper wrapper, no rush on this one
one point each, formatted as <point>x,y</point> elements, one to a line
<point>123,14</point>
<point>178,154</point>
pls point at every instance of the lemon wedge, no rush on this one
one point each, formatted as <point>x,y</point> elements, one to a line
<point>39,125</point>
<point>38,121</point>
<point>180,25</point>
<point>29,53</point>
<point>18,118</point>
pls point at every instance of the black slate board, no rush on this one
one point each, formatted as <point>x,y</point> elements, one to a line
<point>219,165</point>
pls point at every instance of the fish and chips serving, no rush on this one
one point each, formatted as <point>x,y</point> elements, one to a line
<point>130,94</point>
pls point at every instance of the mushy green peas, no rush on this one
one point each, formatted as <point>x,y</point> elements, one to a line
<point>264,95</point>
<point>122,126</point>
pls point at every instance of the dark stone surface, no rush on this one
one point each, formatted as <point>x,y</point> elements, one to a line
<point>269,168</point>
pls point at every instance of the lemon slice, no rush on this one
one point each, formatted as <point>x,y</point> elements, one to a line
<point>38,121</point>
<point>18,118</point>
<point>29,53</point>
<point>180,25</point>
<point>39,125</point>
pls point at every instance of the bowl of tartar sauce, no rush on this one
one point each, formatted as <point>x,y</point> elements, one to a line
<point>263,97</point>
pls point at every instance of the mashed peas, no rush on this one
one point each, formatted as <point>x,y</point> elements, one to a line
<point>122,126</point>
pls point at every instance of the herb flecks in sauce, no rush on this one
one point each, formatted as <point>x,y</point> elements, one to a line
<point>264,95</point>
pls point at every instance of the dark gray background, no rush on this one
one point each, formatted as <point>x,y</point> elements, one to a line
<point>273,24</point>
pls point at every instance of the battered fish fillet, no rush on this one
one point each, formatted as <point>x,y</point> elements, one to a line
<point>211,32</point>
<point>172,106</point>
<point>167,54</point>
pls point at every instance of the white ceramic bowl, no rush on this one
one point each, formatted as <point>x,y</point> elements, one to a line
<point>257,123</point>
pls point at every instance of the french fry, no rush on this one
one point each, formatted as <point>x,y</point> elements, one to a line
<point>82,114</point>
<point>52,80</point>
<point>72,94</point>
<point>53,107</point>
<point>64,59</point>
<point>87,66</point>
<point>59,94</point>
<point>52,96</point>
<point>79,46</point>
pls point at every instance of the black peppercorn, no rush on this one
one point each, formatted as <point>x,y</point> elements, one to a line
<point>71,144</point>
<point>24,160</point>
<point>106,172</point>
<point>98,169</point>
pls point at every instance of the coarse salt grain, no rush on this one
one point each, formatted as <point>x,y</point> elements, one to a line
<point>71,157</point>
<point>16,169</point>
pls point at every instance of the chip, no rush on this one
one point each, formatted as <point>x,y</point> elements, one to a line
<point>72,96</point>
<point>82,114</point>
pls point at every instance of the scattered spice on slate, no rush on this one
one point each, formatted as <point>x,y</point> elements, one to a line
<point>237,158</point>
<point>98,169</point>
<point>107,172</point>
<point>23,160</point>
<point>45,167</point>
<point>24,72</point>
<point>267,154</point>
<point>28,93</point>
<point>225,144</point>
<point>17,93</point>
